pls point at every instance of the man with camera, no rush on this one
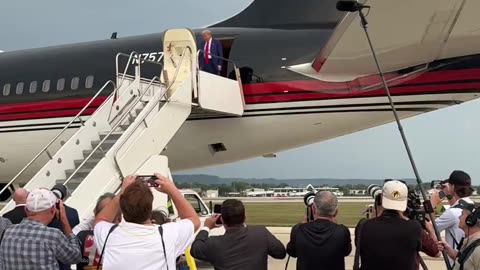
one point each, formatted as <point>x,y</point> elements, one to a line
<point>136,243</point>
<point>457,187</point>
<point>31,244</point>
<point>390,241</point>
<point>322,243</point>
<point>241,247</point>
<point>468,258</point>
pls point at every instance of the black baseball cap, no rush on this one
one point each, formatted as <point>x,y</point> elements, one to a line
<point>460,178</point>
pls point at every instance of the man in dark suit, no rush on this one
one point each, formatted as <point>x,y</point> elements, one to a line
<point>210,48</point>
<point>18,213</point>
<point>241,247</point>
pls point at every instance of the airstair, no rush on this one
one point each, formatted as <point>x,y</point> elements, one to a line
<point>134,123</point>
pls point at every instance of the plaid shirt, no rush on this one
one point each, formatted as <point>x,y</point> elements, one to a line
<point>32,245</point>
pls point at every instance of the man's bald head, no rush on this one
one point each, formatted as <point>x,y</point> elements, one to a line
<point>20,196</point>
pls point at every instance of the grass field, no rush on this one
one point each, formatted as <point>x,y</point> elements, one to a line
<point>290,213</point>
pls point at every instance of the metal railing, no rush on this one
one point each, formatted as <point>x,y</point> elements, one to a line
<point>235,68</point>
<point>131,58</point>
<point>222,58</point>
<point>127,113</point>
<point>45,149</point>
<point>115,156</point>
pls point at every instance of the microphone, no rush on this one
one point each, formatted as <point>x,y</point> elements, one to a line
<point>350,6</point>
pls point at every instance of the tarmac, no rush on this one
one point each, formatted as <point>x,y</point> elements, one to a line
<point>283,234</point>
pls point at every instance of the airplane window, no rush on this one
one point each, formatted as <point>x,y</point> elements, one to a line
<point>60,84</point>
<point>6,89</point>
<point>33,87</point>
<point>46,86</point>
<point>89,82</point>
<point>74,83</point>
<point>19,89</point>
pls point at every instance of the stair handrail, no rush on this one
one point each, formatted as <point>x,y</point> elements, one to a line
<point>45,149</point>
<point>223,58</point>
<point>127,113</point>
<point>237,71</point>
<point>126,66</point>
<point>115,156</point>
<point>130,58</point>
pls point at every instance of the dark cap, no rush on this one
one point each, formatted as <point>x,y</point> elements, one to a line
<point>60,191</point>
<point>460,178</point>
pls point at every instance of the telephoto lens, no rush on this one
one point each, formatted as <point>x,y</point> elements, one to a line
<point>308,198</point>
<point>374,190</point>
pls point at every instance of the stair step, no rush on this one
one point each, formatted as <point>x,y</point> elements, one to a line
<point>82,173</point>
<point>91,163</point>
<point>106,145</point>
<point>97,155</point>
<point>114,136</point>
<point>72,184</point>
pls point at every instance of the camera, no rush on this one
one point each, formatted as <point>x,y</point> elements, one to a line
<point>374,190</point>
<point>415,210</point>
<point>149,180</point>
<point>308,200</point>
<point>438,184</point>
<point>217,209</point>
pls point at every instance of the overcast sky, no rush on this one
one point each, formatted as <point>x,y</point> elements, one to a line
<point>441,141</point>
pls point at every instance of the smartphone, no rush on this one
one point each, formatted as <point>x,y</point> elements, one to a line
<point>217,209</point>
<point>149,180</point>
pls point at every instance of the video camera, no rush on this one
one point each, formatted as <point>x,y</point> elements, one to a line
<point>414,209</point>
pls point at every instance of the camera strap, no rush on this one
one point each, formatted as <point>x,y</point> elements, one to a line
<point>160,230</point>
<point>464,255</point>
<point>105,244</point>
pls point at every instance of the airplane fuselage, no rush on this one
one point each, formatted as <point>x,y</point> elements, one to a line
<point>42,89</point>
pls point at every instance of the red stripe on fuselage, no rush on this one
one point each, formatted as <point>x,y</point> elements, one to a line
<point>435,83</point>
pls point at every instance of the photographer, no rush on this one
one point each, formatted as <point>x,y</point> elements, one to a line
<point>321,244</point>
<point>469,256</point>
<point>389,241</point>
<point>136,243</point>
<point>458,187</point>
<point>31,244</point>
<point>241,247</point>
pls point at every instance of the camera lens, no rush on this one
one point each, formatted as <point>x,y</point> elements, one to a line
<point>308,198</point>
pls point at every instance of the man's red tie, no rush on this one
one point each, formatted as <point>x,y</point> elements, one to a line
<point>207,51</point>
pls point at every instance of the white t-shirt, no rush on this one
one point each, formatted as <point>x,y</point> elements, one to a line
<point>133,246</point>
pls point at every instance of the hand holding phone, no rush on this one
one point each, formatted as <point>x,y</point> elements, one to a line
<point>149,180</point>
<point>217,209</point>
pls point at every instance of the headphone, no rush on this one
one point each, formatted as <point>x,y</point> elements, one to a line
<point>472,218</point>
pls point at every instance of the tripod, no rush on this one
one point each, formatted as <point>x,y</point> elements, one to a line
<point>427,203</point>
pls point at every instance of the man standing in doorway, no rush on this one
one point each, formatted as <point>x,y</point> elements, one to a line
<point>209,60</point>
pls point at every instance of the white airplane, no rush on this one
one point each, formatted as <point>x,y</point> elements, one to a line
<point>306,70</point>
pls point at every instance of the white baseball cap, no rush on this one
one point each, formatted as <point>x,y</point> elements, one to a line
<point>395,195</point>
<point>40,200</point>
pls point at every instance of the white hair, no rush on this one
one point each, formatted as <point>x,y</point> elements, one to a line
<point>206,32</point>
<point>326,203</point>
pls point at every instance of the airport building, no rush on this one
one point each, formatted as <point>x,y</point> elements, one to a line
<point>300,192</point>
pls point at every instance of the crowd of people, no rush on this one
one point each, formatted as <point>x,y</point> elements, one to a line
<point>124,232</point>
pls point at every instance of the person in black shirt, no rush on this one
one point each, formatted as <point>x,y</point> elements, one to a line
<point>390,241</point>
<point>322,244</point>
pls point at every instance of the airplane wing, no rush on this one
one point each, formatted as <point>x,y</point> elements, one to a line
<point>404,33</point>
